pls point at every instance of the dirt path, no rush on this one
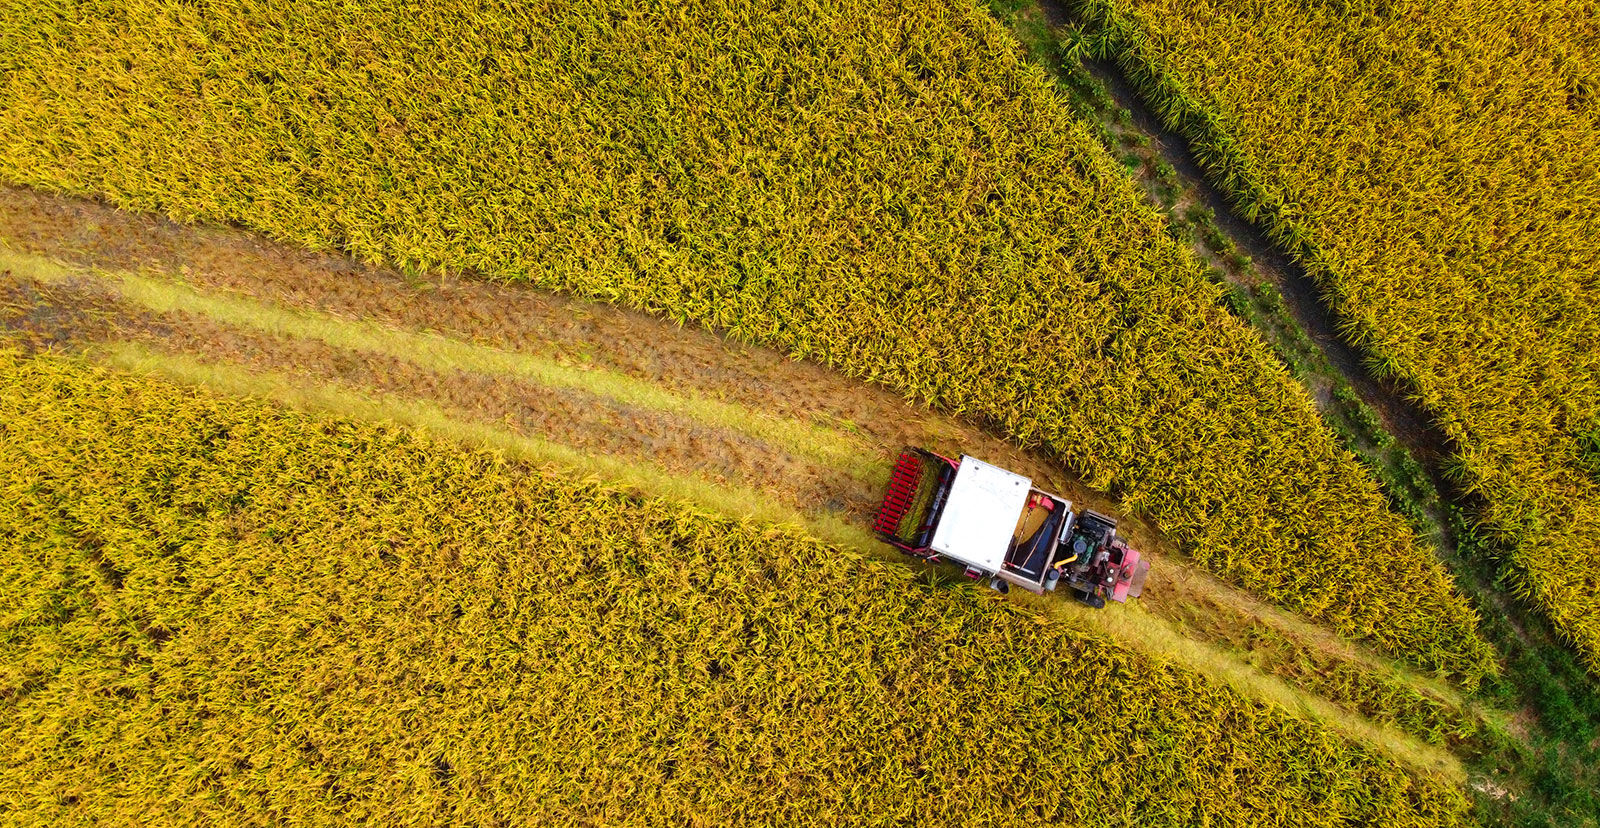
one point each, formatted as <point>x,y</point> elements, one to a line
<point>623,394</point>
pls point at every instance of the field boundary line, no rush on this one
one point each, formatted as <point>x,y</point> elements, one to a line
<point>1312,636</point>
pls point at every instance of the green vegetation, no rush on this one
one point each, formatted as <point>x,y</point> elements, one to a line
<point>891,192</point>
<point>1439,184</point>
<point>1060,51</point>
<point>1589,451</point>
<point>223,613</point>
<point>1551,768</point>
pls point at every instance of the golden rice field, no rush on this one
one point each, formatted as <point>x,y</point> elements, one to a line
<point>219,612</point>
<point>638,402</point>
<point>1435,166</point>
<point>885,189</point>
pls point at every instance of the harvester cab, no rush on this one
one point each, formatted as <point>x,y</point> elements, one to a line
<point>998,526</point>
<point>1096,565</point>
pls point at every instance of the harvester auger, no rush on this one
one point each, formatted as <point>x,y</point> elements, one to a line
<point>994,523</point>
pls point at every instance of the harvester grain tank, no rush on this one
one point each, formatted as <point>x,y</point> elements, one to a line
<point>998,526</point>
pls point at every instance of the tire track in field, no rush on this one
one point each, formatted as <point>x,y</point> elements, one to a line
<point>625,395</point>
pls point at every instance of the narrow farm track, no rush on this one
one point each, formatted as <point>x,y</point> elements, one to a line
<point>628,397</point>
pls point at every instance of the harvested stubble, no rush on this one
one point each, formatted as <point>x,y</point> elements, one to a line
<point>885,189</point>
<point>218,612</point>
<point>1436,166</point>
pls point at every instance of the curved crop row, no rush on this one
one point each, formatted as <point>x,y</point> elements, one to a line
<point>217,612</point>
<point>1436,168</point>
<point>887,190</point>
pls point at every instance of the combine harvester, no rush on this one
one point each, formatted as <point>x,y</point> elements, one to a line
<point>998,526</point>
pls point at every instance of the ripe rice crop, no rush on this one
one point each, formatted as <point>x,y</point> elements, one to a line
<point>1436,167</point>
<point>885,189</point>
<point>1363,688</point>
<point>218,612</point>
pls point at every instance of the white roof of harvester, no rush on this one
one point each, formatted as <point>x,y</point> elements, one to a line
<point>980,514</point>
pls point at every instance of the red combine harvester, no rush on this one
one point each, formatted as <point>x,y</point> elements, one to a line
<point>998,526</point>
